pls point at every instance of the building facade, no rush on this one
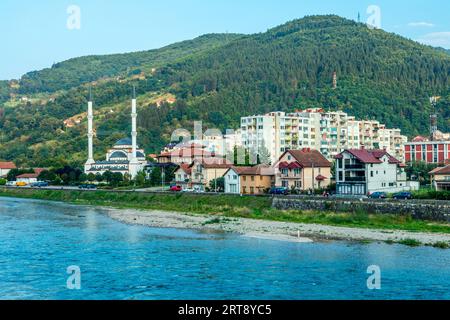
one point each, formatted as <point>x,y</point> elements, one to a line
<point>303,170</point>
<point>440,178</point>
<point>361,172</point>
<point>5,168</point>
<point>424,150</point>
<point>256,180</point>
<point>328,132</point>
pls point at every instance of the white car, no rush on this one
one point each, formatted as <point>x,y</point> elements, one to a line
<point>11,183</point>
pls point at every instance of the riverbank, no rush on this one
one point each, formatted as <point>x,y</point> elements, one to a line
<point>272,230</point>
<point>234,214</point>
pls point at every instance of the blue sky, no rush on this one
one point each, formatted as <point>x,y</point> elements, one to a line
<point>35,34</point>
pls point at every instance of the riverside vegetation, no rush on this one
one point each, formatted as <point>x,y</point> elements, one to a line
<point>230,206</point>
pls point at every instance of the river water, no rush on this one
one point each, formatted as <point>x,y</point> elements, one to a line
<point>39,240</point>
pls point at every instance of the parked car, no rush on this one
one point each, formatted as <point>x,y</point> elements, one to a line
<point>39,184</point>
<point>176,188</point>
<point>378,195</point>
<point>11,183</point>
<point>21,184</point>
<point>279,190</point>
<point>403,196</point>
<point>88,186</point>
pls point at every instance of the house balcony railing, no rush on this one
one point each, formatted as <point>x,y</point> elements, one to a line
<point>354,167</point>
<point>355,179</point>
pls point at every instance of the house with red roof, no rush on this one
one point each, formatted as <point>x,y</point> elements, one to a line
<point>5,168</point>
<point>305,169</point>
<point>249,180</point>
<point>362,172</point>
<point>30,178</point>
<point>440,178</point>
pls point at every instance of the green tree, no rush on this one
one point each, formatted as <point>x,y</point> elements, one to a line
<point>217,185</point>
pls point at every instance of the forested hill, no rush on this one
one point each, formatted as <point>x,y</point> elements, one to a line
<point>77,71</point>
<point>219,78</point>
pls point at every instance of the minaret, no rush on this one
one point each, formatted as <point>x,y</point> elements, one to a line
<point>134,163</point>
<point>90,116</point>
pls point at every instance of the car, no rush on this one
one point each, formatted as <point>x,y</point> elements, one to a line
<point>279,190</point>
<point>403,196</point>
<point>87,186</point>
<point>21,184</point>
<point>378,195</point>
<point>39,184</point>
<point>11,183</point>
<point>176,189</point>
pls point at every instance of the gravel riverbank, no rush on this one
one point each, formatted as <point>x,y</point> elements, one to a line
<point>273,230</point>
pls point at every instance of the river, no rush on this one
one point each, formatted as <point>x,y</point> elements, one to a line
<point>39,240</point>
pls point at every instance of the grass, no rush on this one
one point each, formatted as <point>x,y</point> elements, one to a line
<point>410,243</point>
<point>222,206</point>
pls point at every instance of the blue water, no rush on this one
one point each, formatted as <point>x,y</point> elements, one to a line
<point>39,240</point>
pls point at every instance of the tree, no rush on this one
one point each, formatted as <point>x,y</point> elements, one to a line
<point>92,177</point>
<point>218,185</point>
<point>419,171</point>
<point>116,179</point>
<point>140,179</point>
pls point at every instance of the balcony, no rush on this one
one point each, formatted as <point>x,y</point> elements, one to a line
<point>355,179</point>
<point>355,167</point>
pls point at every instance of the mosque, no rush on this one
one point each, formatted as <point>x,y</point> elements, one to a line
<point>124,157</point>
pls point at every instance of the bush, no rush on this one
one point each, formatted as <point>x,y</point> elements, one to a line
<point>2,182</point>
<point>432,194</point>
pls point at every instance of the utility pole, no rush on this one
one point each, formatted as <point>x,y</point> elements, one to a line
<point>163,173</point>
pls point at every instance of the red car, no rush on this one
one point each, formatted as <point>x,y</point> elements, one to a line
<point>176,189</point>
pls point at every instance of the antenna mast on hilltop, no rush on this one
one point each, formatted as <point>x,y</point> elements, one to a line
<point>334,80</point>
<point>433,117</point>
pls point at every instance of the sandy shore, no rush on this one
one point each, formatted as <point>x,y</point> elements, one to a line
<point>272,230</point>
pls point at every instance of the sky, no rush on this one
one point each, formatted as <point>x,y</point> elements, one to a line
<point>36,34</point>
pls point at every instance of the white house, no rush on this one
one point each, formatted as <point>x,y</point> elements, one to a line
<point>29,178</point>
<point>5,168</point>
<point>232,180</point>
<point>361,172</point>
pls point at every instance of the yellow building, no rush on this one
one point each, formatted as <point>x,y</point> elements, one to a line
<point>256,180</point>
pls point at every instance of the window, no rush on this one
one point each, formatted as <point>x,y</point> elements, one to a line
<point>371,174</point>
<point>298,184</point>
<point>297,172</point>
<point>253,178</point>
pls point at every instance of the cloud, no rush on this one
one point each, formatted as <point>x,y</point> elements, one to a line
<point>436,39</point>
<point>421,24</point>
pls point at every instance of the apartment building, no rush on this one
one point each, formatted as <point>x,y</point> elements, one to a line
<point>328,132</point>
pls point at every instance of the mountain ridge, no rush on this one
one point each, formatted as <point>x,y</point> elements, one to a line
<point>381,76</point>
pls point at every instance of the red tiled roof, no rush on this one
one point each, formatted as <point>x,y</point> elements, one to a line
<point>259,170</point>
<point>370,156</point>
<point>309,157</point>
<point>441,170</point>
<point>283,165</point>
<point>294,165</point>
<point>28,175</point>
<point>239,170</point>
<point>321,178</point>
<point>7,165</point>
<point>186,168</point>
<point>218,163</point>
